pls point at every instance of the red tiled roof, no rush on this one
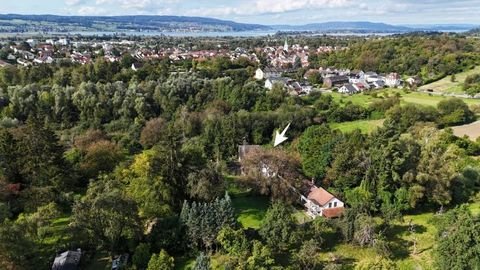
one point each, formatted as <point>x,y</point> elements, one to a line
<point>320,196</point>
<point>333,212</point>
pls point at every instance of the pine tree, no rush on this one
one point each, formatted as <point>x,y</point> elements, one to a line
<point>226,213</point>
<point>203,221</point>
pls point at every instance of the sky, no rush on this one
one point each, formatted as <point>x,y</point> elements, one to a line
<point>267,11</point>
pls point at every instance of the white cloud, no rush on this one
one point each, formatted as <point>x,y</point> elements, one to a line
<point>146,5</point>
<point>280,6</point>
<point>73,2</point>
<point>260,7</point>
<point>91,11</point>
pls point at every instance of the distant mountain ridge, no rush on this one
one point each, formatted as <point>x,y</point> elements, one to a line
<point>125,23</point>
<point>451,27</point>
<point>56,23</point>
<point>346,26</point>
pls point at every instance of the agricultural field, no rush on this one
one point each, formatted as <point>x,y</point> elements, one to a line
<point>446,85</point>
<point>471,130</point>
<point>418,98</point>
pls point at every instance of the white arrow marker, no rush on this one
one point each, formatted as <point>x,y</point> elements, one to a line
<point>280,137</point>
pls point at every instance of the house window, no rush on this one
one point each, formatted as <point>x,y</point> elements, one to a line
<point>329,205</point>
<point>335,204</point>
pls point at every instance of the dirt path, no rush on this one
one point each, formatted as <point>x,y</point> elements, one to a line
<point>471,130</point>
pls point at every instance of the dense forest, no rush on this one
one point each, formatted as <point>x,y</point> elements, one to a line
<point>145,163</point>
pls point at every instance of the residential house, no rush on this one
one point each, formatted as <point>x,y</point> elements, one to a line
<point>378,84</point>
<point>414,81</point>
<point>361,86</point>
<point>269,83</point>
<point>83,59</point>
<point>137,66</point>
<point>259,74</point>
<point>44,60</point>
<point>335,81</point>
<point>68,260</point>
<point>271,72</point>
<point>371,77</point>
<point>306,88</point>
<point>393,80</point>
<point>23,62</point>
<point>63,42</point>
<point>321,203</point>
<point>27,55</point>
<point>32,42</point>
<point>349,89</point>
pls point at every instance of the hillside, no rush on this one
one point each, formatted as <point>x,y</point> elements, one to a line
<point>446,85</point>
<point>53,23</point>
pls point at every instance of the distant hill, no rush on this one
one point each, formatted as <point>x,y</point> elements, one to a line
<point>443,27</point>
<point>346,26</point>
<point>50,23</point>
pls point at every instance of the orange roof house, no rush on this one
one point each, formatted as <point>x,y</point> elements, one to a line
<point>320,202</point>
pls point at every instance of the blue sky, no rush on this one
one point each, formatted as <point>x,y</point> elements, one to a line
<point>266,11</point>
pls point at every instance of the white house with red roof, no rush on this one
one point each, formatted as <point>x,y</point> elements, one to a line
<point>321,203</point>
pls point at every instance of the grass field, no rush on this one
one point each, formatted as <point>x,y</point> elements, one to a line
<point>470,130</point>
<point>251,210</point>
<point>365,126</point>
<point>417,98</point>
<point>445,85</point>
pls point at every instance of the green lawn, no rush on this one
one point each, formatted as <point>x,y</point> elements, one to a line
<point>445,85</point>
<point>58,232</point>
<point>365,126</point>
<point>250,210</point>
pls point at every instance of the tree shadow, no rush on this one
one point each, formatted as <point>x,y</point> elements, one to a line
<point>400,247</point>
<point>331,239</point>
